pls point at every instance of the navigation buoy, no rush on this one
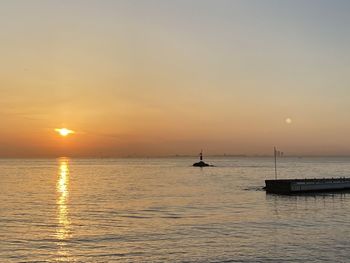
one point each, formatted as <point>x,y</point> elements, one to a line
<point>201,163</point>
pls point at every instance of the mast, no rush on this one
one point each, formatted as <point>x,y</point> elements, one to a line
<point>275,154</point>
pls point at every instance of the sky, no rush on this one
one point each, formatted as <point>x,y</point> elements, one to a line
<point>158,78</point>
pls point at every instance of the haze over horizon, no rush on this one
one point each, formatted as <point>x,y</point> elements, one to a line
<point>159,78</point>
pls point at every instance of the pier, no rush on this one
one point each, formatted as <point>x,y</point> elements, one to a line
<point>295,186</point>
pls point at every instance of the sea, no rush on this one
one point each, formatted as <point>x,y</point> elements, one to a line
<point>165,210</point>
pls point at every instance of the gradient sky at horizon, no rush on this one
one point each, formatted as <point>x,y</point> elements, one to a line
<point>172,77</point>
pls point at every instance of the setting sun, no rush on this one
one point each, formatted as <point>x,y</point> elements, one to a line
<point>64,131</point>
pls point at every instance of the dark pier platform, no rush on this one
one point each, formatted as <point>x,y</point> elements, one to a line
<point>295,186</point>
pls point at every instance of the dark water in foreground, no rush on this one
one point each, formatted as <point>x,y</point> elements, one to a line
<point>163,210</point>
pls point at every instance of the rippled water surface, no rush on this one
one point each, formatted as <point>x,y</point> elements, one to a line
<point>164,210</point>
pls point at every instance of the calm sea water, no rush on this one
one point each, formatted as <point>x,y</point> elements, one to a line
<point>164,210</point>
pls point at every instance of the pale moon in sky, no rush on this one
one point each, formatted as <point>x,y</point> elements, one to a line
<point>288,120</point>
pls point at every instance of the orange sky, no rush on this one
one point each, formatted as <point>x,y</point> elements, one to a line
<point>171,77</point>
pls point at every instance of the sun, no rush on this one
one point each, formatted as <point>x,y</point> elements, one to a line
<point>288,120</point>
<point>64,131</point>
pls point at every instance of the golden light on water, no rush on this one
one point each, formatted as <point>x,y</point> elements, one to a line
<point>63,230</point>
<point>64,131</point>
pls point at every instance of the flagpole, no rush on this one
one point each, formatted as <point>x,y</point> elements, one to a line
<point>274,149</point>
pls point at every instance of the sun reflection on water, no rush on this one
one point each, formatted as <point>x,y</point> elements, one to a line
<point>63,231</point>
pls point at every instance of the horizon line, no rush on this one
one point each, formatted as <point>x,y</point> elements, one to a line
<point>181,156</point>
